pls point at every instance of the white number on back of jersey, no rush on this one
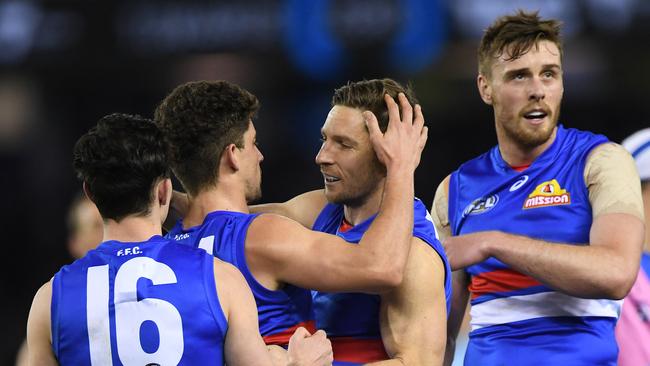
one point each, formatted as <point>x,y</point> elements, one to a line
<point>130,314</point>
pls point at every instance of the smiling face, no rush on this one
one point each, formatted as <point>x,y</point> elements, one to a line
<point>351,171</point>
<point>525,93</point>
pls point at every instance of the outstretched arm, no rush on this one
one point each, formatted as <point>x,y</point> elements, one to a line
<point>413,316</point>
<point>39,340</point>
<point>303,208</point>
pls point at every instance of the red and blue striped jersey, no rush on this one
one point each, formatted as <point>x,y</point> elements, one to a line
<point>351,320</point>
<point>516,319</point>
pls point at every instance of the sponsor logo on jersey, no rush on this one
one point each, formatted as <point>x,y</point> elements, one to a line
<point>481,205</point>
<point>547,194</point>
<point>519,183</point>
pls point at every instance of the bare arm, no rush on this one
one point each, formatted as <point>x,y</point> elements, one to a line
<point>413,316</point>
<point>303,208</point>
<point>615,238</point>
<point>614,249</point>
<point>39,343</point>
<point>284,250</point>
<point>459,299</point>
<point>459,281</point>
<point>244,344</point>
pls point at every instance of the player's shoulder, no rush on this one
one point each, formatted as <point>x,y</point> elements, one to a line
<point>45,291</point>
<point>226,271</point>
<point>230,284</point>
<point>609,150</point>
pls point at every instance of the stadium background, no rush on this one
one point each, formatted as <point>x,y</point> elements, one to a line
<point>65,64</point>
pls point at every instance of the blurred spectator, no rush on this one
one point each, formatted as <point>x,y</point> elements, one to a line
<point>633,329</point>
<point>85,226</point>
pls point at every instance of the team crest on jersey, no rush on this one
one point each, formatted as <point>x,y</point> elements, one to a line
<point>481,205</point>
<point>547,194</point>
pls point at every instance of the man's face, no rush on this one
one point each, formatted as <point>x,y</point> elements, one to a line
<point>250,165</point>
<point>350,168</point>
<point>526,94</point>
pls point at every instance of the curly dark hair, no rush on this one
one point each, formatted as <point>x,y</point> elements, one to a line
<point>199,120</point>
<point>516,35</point>
<point>120,160</point>
<point>369,95</point>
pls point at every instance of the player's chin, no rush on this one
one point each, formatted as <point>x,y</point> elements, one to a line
<point>332,195</point>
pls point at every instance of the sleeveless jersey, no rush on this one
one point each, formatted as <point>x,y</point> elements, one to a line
<point>151,302</point>
<point>351,320</point>
<point>515,319</point>
<point>223,234</point>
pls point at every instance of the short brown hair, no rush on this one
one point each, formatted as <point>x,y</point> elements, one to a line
<point>199,119</point>
<point>369,95</point>
<point>516,35</point>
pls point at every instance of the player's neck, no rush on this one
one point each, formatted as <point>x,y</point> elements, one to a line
<point>220,198</point>
<point>132,228</point>
<point>356,213</point>
<point>516,155</point>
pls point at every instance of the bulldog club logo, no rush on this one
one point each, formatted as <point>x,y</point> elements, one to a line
<point>481,205</point>
<point>547,194</point>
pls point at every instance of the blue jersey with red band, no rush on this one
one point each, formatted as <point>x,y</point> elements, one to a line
<point>152,302</point>
<point>351,320</point>
<point>516,319</point>
<point>223,234</point>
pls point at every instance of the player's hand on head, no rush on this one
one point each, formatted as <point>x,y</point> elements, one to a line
<point>405,137</point>
<point>309,350</point>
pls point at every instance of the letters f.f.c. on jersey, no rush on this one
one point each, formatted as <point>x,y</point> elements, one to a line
<point>146,303</point>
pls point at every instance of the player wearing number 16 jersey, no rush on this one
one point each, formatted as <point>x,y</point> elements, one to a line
<point>140,299</point>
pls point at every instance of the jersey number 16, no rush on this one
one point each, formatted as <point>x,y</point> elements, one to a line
<point>130,314</point>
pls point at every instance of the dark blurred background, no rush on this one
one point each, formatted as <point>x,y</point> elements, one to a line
<point>63,65</point>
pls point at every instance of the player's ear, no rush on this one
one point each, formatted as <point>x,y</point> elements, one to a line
<point>87,192</point>
<point>164,192</point>
<point>484,88</point>
<point>230,157</point>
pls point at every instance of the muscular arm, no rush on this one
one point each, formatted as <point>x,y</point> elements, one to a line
<point>281,249</point>
<point>303,208</point>
<point>244,344</point>
<point>39,343</point>
<point>413,316</point>
<point>615,238</point>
